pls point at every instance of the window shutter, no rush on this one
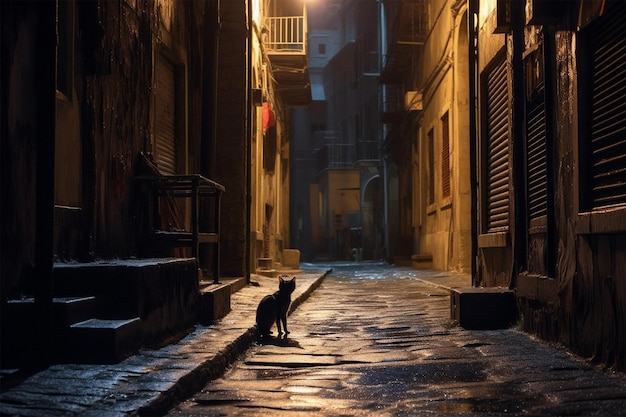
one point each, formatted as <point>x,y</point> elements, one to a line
<point>608,109</point>
<point>445,155</point>
<point>431,167</point>
<point>165,134</point>
<point>498,138</point>
<point>537,152</point>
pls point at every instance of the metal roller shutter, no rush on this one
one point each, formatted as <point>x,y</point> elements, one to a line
<point>497,162</point>
<point>165,146</point>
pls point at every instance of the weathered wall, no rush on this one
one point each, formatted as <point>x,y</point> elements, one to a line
<point>442,227</point>
<point>120,107</point>
<point>582,304</point>
<point>232,147</point>
<point>18,139</point>
<point>102,125</point>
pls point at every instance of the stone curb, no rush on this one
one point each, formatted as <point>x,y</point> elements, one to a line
<point>215,367</point>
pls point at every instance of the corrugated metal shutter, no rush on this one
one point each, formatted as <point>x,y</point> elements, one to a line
<point>608,109</point>
<point>536,157</point>
<point>497,163</point>
<point>165,152</point>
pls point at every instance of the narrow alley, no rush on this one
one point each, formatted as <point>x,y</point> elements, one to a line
<point>379,341</point>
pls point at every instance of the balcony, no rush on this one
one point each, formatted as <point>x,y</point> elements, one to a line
<point>333,153</point>
<point>285,43</point>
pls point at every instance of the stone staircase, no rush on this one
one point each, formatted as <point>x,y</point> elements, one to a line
<point>74,337</point>
<point>104,312</point>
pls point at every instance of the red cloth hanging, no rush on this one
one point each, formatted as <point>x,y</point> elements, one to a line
<point>269,119</point>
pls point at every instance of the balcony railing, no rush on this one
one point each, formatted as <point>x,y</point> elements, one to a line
<point>285,42</point>
<point>332,152</point>
<point>286,34</point>
<point>336,156</point>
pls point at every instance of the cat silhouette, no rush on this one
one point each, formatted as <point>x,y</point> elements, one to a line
<point>274,307</point>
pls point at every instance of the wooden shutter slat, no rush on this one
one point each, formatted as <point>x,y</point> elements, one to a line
<point>608,108</point>
<point>498,149</point>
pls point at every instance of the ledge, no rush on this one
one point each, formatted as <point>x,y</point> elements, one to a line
<point>610,220</point>
<point>494,240</point>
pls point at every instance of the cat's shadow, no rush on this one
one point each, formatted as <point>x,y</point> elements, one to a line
<point>282,340</point>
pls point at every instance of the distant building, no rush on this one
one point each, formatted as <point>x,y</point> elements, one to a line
<point>338,179</point>
<point>426,115</point>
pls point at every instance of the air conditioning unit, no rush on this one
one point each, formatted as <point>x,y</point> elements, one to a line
<point>413,101</point>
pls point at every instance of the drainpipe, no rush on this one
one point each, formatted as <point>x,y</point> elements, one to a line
<point>473,93</point>
<point>249,132</point>
<point>382,95</point>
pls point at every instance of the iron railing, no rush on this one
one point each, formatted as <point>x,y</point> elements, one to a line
<point>286,34</point>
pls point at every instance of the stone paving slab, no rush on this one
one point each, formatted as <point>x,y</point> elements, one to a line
<point>153,380</point>
<point>384,345</point>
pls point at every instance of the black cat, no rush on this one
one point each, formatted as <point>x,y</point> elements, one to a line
<point>273,308</point>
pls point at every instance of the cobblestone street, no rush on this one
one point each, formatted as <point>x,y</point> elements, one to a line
<point>379,341</point>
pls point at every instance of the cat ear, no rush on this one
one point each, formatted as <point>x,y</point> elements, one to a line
<point>281,279</point>
<point>293,279</point>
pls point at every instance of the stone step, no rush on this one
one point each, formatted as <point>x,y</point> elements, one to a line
<point>103,341</point>
<point>214,300</point>
<point>483,308</point>
<point>69,310</point>
<point>422,261</point>
<point>65,310</point>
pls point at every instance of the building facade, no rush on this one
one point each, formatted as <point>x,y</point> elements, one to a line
<point>133,135</point>
<point>341,149</point>
<point>514,115</point>
<point>426,114</point>
<point>550,146</point>
<point>280,78</point>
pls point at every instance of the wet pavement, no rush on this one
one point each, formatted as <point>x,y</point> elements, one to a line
<point>370,339</point>
<point>152,381</point>
<point>379,341</point>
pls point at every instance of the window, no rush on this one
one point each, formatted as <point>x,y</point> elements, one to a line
<point>170,135</point>
<point>445,156</point>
